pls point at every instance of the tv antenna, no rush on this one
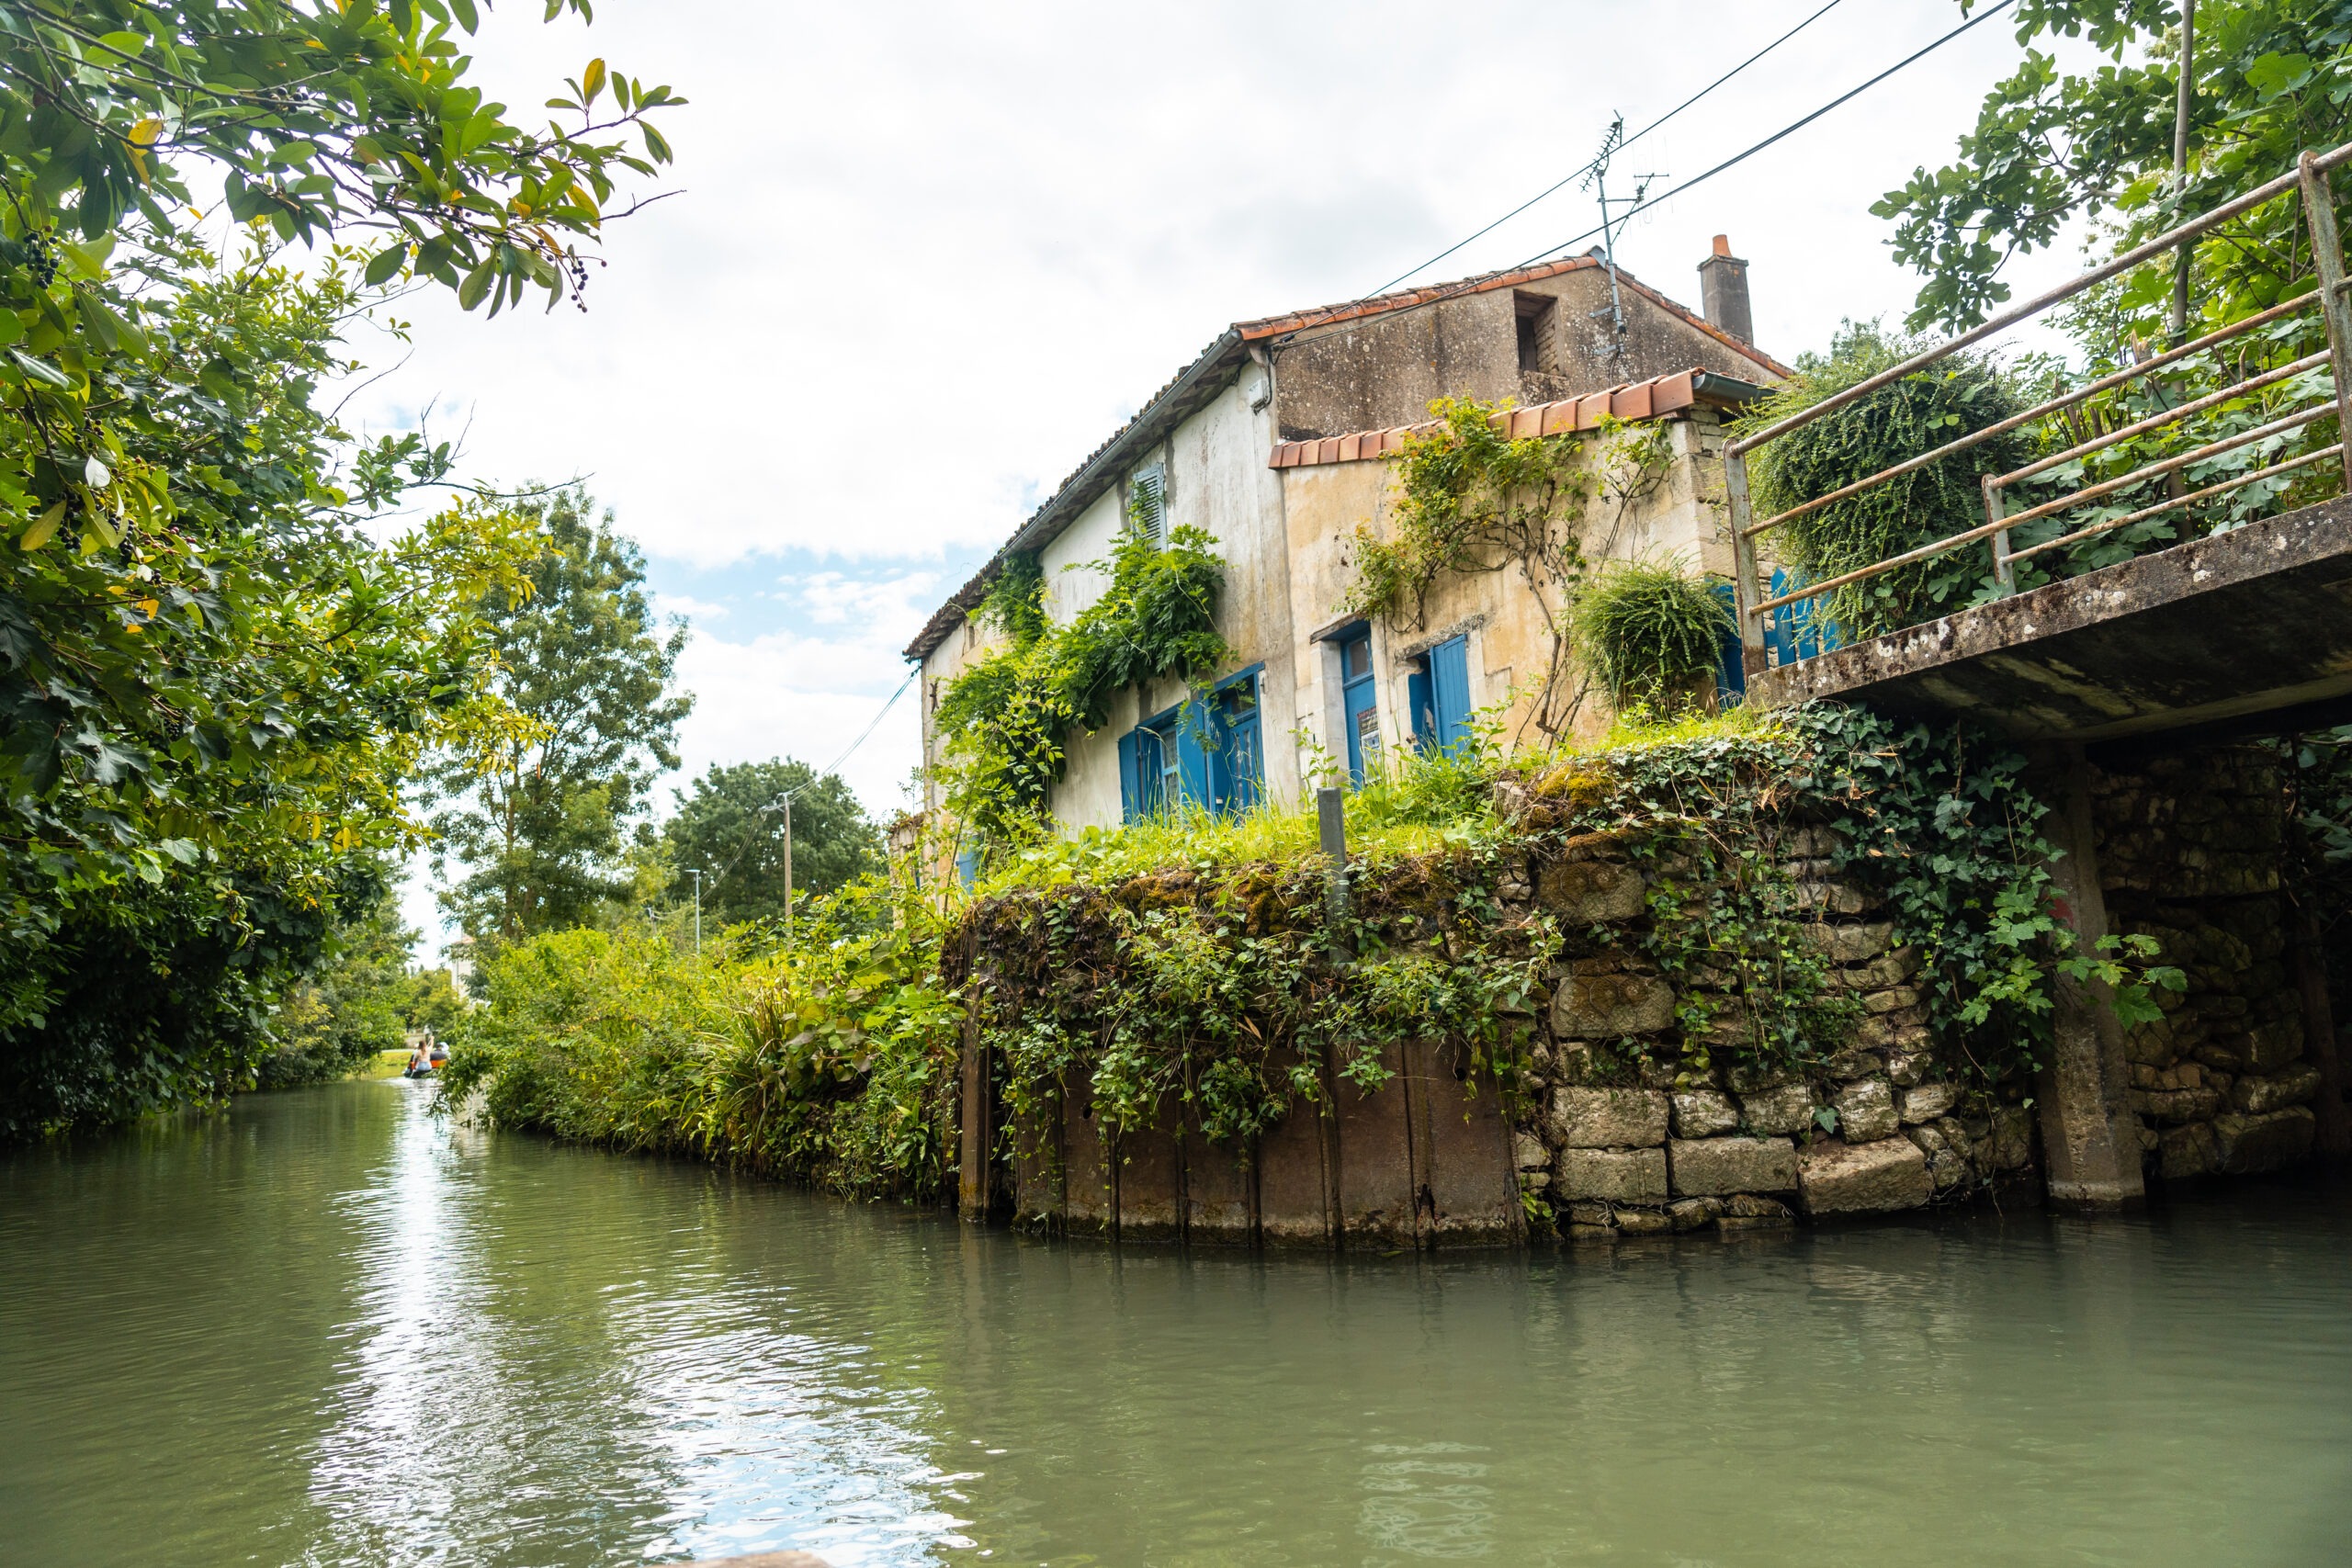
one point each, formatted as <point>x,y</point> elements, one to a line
<point>1598,183</point>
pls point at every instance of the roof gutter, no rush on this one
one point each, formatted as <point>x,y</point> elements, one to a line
<point>1192,385</point>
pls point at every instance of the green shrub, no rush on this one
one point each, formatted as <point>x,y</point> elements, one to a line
<point>1923,411</point>
<point>829,1061</point>
<point>1652,632</point>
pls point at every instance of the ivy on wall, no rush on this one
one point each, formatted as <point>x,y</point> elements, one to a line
<point>1470,499</point>
<point>1005,722</point>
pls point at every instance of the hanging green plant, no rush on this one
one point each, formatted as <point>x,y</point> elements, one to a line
<point>1005,721</point>
<point>1652,631</point>
<point>1470,499</point>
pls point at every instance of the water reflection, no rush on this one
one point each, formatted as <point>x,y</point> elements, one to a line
<point>332,1330</point>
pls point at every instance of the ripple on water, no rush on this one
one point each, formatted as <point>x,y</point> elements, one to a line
<point>331,1329</point>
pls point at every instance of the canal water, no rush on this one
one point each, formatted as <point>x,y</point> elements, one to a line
<point>330,1328</point>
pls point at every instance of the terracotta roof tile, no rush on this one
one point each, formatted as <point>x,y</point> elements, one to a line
<point>1658,397</point>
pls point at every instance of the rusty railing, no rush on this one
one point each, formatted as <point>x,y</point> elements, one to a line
<point>2310,182</point>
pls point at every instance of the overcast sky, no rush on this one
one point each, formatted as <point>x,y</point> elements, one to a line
<point>922,259</point>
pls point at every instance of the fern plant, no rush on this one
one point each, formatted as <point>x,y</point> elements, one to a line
<point>1650,630</point>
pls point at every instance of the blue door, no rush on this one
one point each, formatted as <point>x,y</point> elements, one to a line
<point>1449,695</point>
<point>1237,770</point>
<point>1360,706</point>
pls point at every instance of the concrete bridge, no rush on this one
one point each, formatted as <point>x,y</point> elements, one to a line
<point>2246,632</point>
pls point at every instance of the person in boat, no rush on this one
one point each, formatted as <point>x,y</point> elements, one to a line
<point>420,1060</point>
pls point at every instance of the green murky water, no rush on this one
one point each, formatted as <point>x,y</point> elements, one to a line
<point>329,1329</point>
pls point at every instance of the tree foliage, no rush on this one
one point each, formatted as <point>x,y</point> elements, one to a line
<point>731,825</point>
<point>320,119</point>
<point>539,814</point>
<point>214,682</point>
<point>362,1000</point>
<point>2271,77</point>
<point>1923,411</point>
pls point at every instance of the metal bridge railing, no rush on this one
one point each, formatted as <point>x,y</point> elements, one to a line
<point>2309,182</point>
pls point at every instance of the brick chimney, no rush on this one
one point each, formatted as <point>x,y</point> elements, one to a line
<point>1722,291</point>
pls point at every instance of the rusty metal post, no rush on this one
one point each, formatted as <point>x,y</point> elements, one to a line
<point>1996,508</point>
<point>2327,254</point>
<point>1746,590</point>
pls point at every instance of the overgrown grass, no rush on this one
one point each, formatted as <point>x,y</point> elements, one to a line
<point>829,1060</point>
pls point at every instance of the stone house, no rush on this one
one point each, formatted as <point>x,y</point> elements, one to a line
<point>1275,442</point>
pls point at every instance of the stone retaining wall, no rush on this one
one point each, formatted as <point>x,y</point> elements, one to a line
<point>1618,1145</point>
<point>2189,853</point>
<point>1620,1142</point>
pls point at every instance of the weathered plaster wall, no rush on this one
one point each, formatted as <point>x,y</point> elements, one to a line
<point>1385,370</point>
<point>1677,511</point>
<point>1217,480</point>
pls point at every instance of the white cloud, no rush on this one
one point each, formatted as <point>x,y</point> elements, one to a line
<point>696,610</point>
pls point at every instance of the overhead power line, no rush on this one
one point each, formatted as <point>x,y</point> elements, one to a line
<point>1738,158</point>
<point>1628,142</point>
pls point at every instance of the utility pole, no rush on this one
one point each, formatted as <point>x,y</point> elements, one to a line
<point>787,866</point>
<point>1598,183</point>
<point>696,872</point>
<point>2180,166</point>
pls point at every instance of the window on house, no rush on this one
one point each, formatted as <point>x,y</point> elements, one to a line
<point>1206,753</point>
<point>1438,691</point>
<point>1148,504</point>
<point>1537,316</point>
<point>1360,704</point>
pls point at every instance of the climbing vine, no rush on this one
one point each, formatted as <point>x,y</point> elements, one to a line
<point>1231,1001</point>
<point>1005,720</point>
<point>1470,499</point>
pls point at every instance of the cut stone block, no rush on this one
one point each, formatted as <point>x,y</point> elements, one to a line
<point>2250,1143</point>
<point>1591,891</point>
<point>1929,1102</point>
<point>1835,1177</point>
<point>1604,1007</point>
<point>1609,1117</point>
<point>1620,1176</point>
<point>2257,1097</point>
<point>1715,1167</point>
<point>1787,1109</point>
<point>1866,1111</point>
<point>1849,944</point>
<point>2187,1151</point>
<point>1702,1113</point>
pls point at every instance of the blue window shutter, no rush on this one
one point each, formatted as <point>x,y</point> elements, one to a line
<point>968,868</point>
<point>1417,697</point>
<point>1240,770</point>
<point>1450,692</point>
<point>1191,756</point>
<point>1731,668</point>
<point>1130,782</point>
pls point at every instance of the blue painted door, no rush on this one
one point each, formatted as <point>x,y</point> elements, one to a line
<point>1360,706</point>
<point>1449,695</point>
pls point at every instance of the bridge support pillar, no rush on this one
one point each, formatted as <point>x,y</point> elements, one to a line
<point>2090,1136</point>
